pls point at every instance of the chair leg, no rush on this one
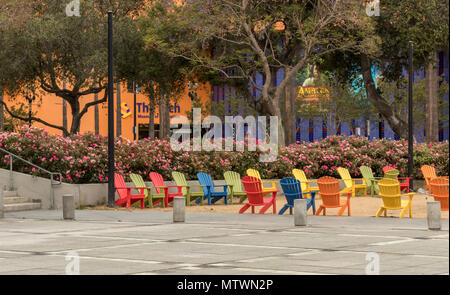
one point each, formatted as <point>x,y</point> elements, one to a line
<point>342,210</point>
<point>402,214</point>
<point>285,207</point>
<point>253,209</point>
<point>319,210</point>
<point>243,209</point>
<point>410,210</point>
<point>380,211</point>
<point>324,211</point>
<point>264,208</point>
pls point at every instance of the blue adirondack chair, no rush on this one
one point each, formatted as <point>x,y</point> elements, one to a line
<point>212,196</point>
<point>292,190</point>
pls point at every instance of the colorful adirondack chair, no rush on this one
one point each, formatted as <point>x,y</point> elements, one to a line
<point>180,180</point>
<point>126,198</point>
<point>392,198</point>
<point>160,187</point>
<point>255,196</point>
<point>371,180</point>
<point>305,183</point>
<point>233,180</point>
<point>439,190</point>
<point>350,183</point>
<point>429,172</point>
<point>404,181</point>
<point>255,173</point>
<point>138,181</point>
<point>331,196</point>
<point>213,196</point>
<point>292,190</point>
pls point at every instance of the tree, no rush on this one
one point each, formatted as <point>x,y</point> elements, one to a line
<point>239,38</point>
<point>425,23</point>
<point>42,47</point>
<point>159,75</point>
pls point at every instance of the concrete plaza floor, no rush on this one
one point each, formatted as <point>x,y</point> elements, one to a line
<point>121,242</point>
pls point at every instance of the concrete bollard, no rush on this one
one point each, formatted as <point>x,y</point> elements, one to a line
<point>300,215</point>
<point>434,215</point>
<point>1,203</point>
<point>179,209</point>
<point>68,207</point>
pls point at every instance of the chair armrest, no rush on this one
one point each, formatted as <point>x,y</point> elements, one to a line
<point>409,195</point>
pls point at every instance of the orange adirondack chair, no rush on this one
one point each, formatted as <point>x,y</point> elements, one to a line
<point>439,190</point>
<point>126,198</point>
<point>429,172</point>
<point>330,194</point>
<point>255,196</point>
<point>158,184</point>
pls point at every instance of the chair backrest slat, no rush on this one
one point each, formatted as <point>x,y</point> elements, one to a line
<point>120,182</point>
<point>292,189</point>
<point>138,181</point>
<point>234,179</point>
<point>345,176</point>
<point>157,180</point>
<point>254,173</point>
<point>390,192</point>
<point>367,174</point>
<point>205,179</point>
<point>180,180</point>
<point>329,190</point>
<point>253,189</point>
<point>429,172</point>
<point>301,176</point>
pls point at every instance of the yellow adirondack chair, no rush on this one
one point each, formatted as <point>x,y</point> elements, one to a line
<point>392,198</point>
<point>255,173</point>
<point>304,182</point>
<point>350,183</point>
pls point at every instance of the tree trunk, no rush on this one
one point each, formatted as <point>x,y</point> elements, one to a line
<point>431,118</point>
<point>151,120</point>
<point>399,126</point>
<point>289,114</point>
<point>163,117</point>
<point>2,116</point>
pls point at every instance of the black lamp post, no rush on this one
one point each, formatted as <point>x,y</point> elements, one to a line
<point>410,115</point>
<point>30,99</point>
<point>111,192</point>
<point>135,86</point>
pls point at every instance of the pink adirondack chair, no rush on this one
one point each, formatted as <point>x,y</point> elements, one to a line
<point>126,198</point>
<point>158,183</point>
<point>255,196</point>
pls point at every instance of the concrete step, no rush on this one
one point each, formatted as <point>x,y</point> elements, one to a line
<point>21,207</point>
<point>13,200</point>
<point>8,194</point>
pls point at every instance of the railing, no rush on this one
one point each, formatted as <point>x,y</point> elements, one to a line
<point>52,174</point>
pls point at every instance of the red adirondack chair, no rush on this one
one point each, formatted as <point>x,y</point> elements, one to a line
<point>126,198</point>
<point>158,184</point>
<point>255,197</point>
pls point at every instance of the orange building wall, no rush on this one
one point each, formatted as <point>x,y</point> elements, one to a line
<point>51,110</point>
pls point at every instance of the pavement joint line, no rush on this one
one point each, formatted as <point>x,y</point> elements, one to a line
<point>287,272</point>
<point>405,240</point>
<point>111,259</point>
<point>103,247</point>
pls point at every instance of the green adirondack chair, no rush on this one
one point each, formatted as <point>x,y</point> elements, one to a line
<point>186,190</point>
<point>150,197</point>
<point>371,180</point>
<point>233,180</point>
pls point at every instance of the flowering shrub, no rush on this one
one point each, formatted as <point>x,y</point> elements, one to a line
<point>83,158</point>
